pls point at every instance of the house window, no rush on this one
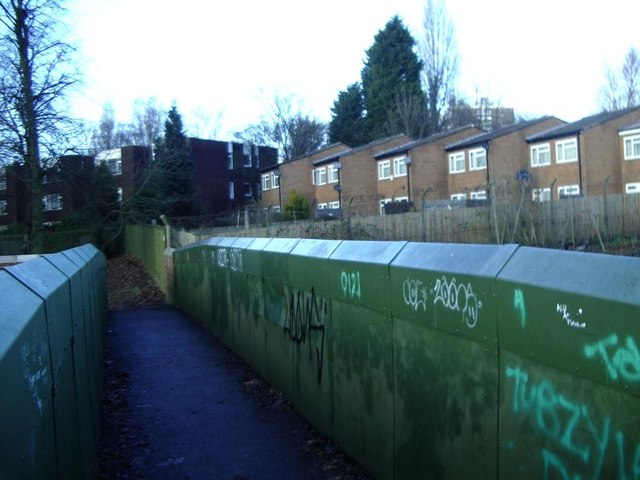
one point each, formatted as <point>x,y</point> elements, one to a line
<point>246,152</point>
<point>52,201</point>
<point>477,159</point>
<point>114,165</point>
<point>540,155</point>
<point>334,204</point>
<point>275,180</point>
<point>479,195</point>
<point>632,187</point>
<point>276,209</point>
<point>322,206</point>
<point>3,178</point>
<point>456,162</point>
<point>266,182</point>
<point>333,173</point>
<point>119,190</point>
<point>541,194</point>
<point>567,151</point>
<point>459,196</point>
<point>568,191</point>
<point>632,148</point>
<point>3,207</point>
<point>230,155</point>
<point>232,191</point>
<point>384,170</point>
<point>247,190</point>
<point>399,167</point>
<point>320,176</point>
<point>256,155</point>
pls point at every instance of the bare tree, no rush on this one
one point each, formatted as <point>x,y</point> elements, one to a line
<point>439,56</point>
<point>286,127</point>
<point>109,133</point>
<point>205,125</point>
<point>409,115</point>
<point>622,90</point>
<point>148,120</point>
<point>36,73</point>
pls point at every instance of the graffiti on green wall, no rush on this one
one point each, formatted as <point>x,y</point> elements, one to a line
<point>574,433</point>
<point>350,283</point>
<point>305,324</point>
<point>622,361</point>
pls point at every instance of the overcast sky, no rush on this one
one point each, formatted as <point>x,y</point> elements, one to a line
<point>225,59</point>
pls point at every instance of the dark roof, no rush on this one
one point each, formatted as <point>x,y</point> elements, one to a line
<point>483,138</point>
<point>631,126</point>
<point>356,150</point>
<point>579,125</point>
<point>423,141</point>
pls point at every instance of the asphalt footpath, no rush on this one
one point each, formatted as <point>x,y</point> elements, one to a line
<point>187,413</point>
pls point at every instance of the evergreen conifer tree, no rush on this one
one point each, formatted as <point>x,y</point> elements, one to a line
<point>391,71</point>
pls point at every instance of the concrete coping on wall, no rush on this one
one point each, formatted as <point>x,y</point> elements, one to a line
<point>8,260</point>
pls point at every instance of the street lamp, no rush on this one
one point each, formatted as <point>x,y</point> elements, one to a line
<point>276,173</point>
<point>407,162</point>
<point>338,187</point>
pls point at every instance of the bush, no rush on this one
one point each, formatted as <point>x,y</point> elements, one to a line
<point>297,207</point>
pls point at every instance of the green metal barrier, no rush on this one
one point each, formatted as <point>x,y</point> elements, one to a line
<point>362,349</point>
<point>308,326</point>
<point>570,365</point>
<point>438,361</point>
<point>446,360</point>
<point>279,349</point>
<point>27,439</point>
<point>51,327</point>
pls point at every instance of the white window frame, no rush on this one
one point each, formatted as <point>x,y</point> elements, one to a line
<point>457,162</point>
<point>275,180</point>
<point>570,189</point>
<point>399,167</point>
<point>458,196</point>
<point>537,151</point>
<point>275,209</point>
<point>541,194</point>
<point>232,191</point>
<point>319,176</point>
<point>52,202</point>
<point>266,182</point>
<point>120,193</point>
<point>334,204</point>
<point>332,174</point>
<point>3,178</point>
<point>322,206</point>
<point>632,147</point>
<point>3,207</point>
<point>384,170</point>
<point>248,191</point>
<point>561,148</point>
<point>230,156</point>
<point>473,159</point>
<point>478,195</point>
<point>632,188</point>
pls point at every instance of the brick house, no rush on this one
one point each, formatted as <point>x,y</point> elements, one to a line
<point>297,174</point>
<point>271,195</point>
<point>581,158</point>
<point>417,169</point>
<point>348,179</point>
<point>495,160</point>
<point>630,163</point>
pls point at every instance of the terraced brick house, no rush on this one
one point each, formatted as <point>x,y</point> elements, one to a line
<point>492,163</point>
<point>348,179</point>
<point>630,163</point>
<point>417,169</point>
<point>584,157</point>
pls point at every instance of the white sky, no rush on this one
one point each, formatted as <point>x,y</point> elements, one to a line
<point>225,59</point>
